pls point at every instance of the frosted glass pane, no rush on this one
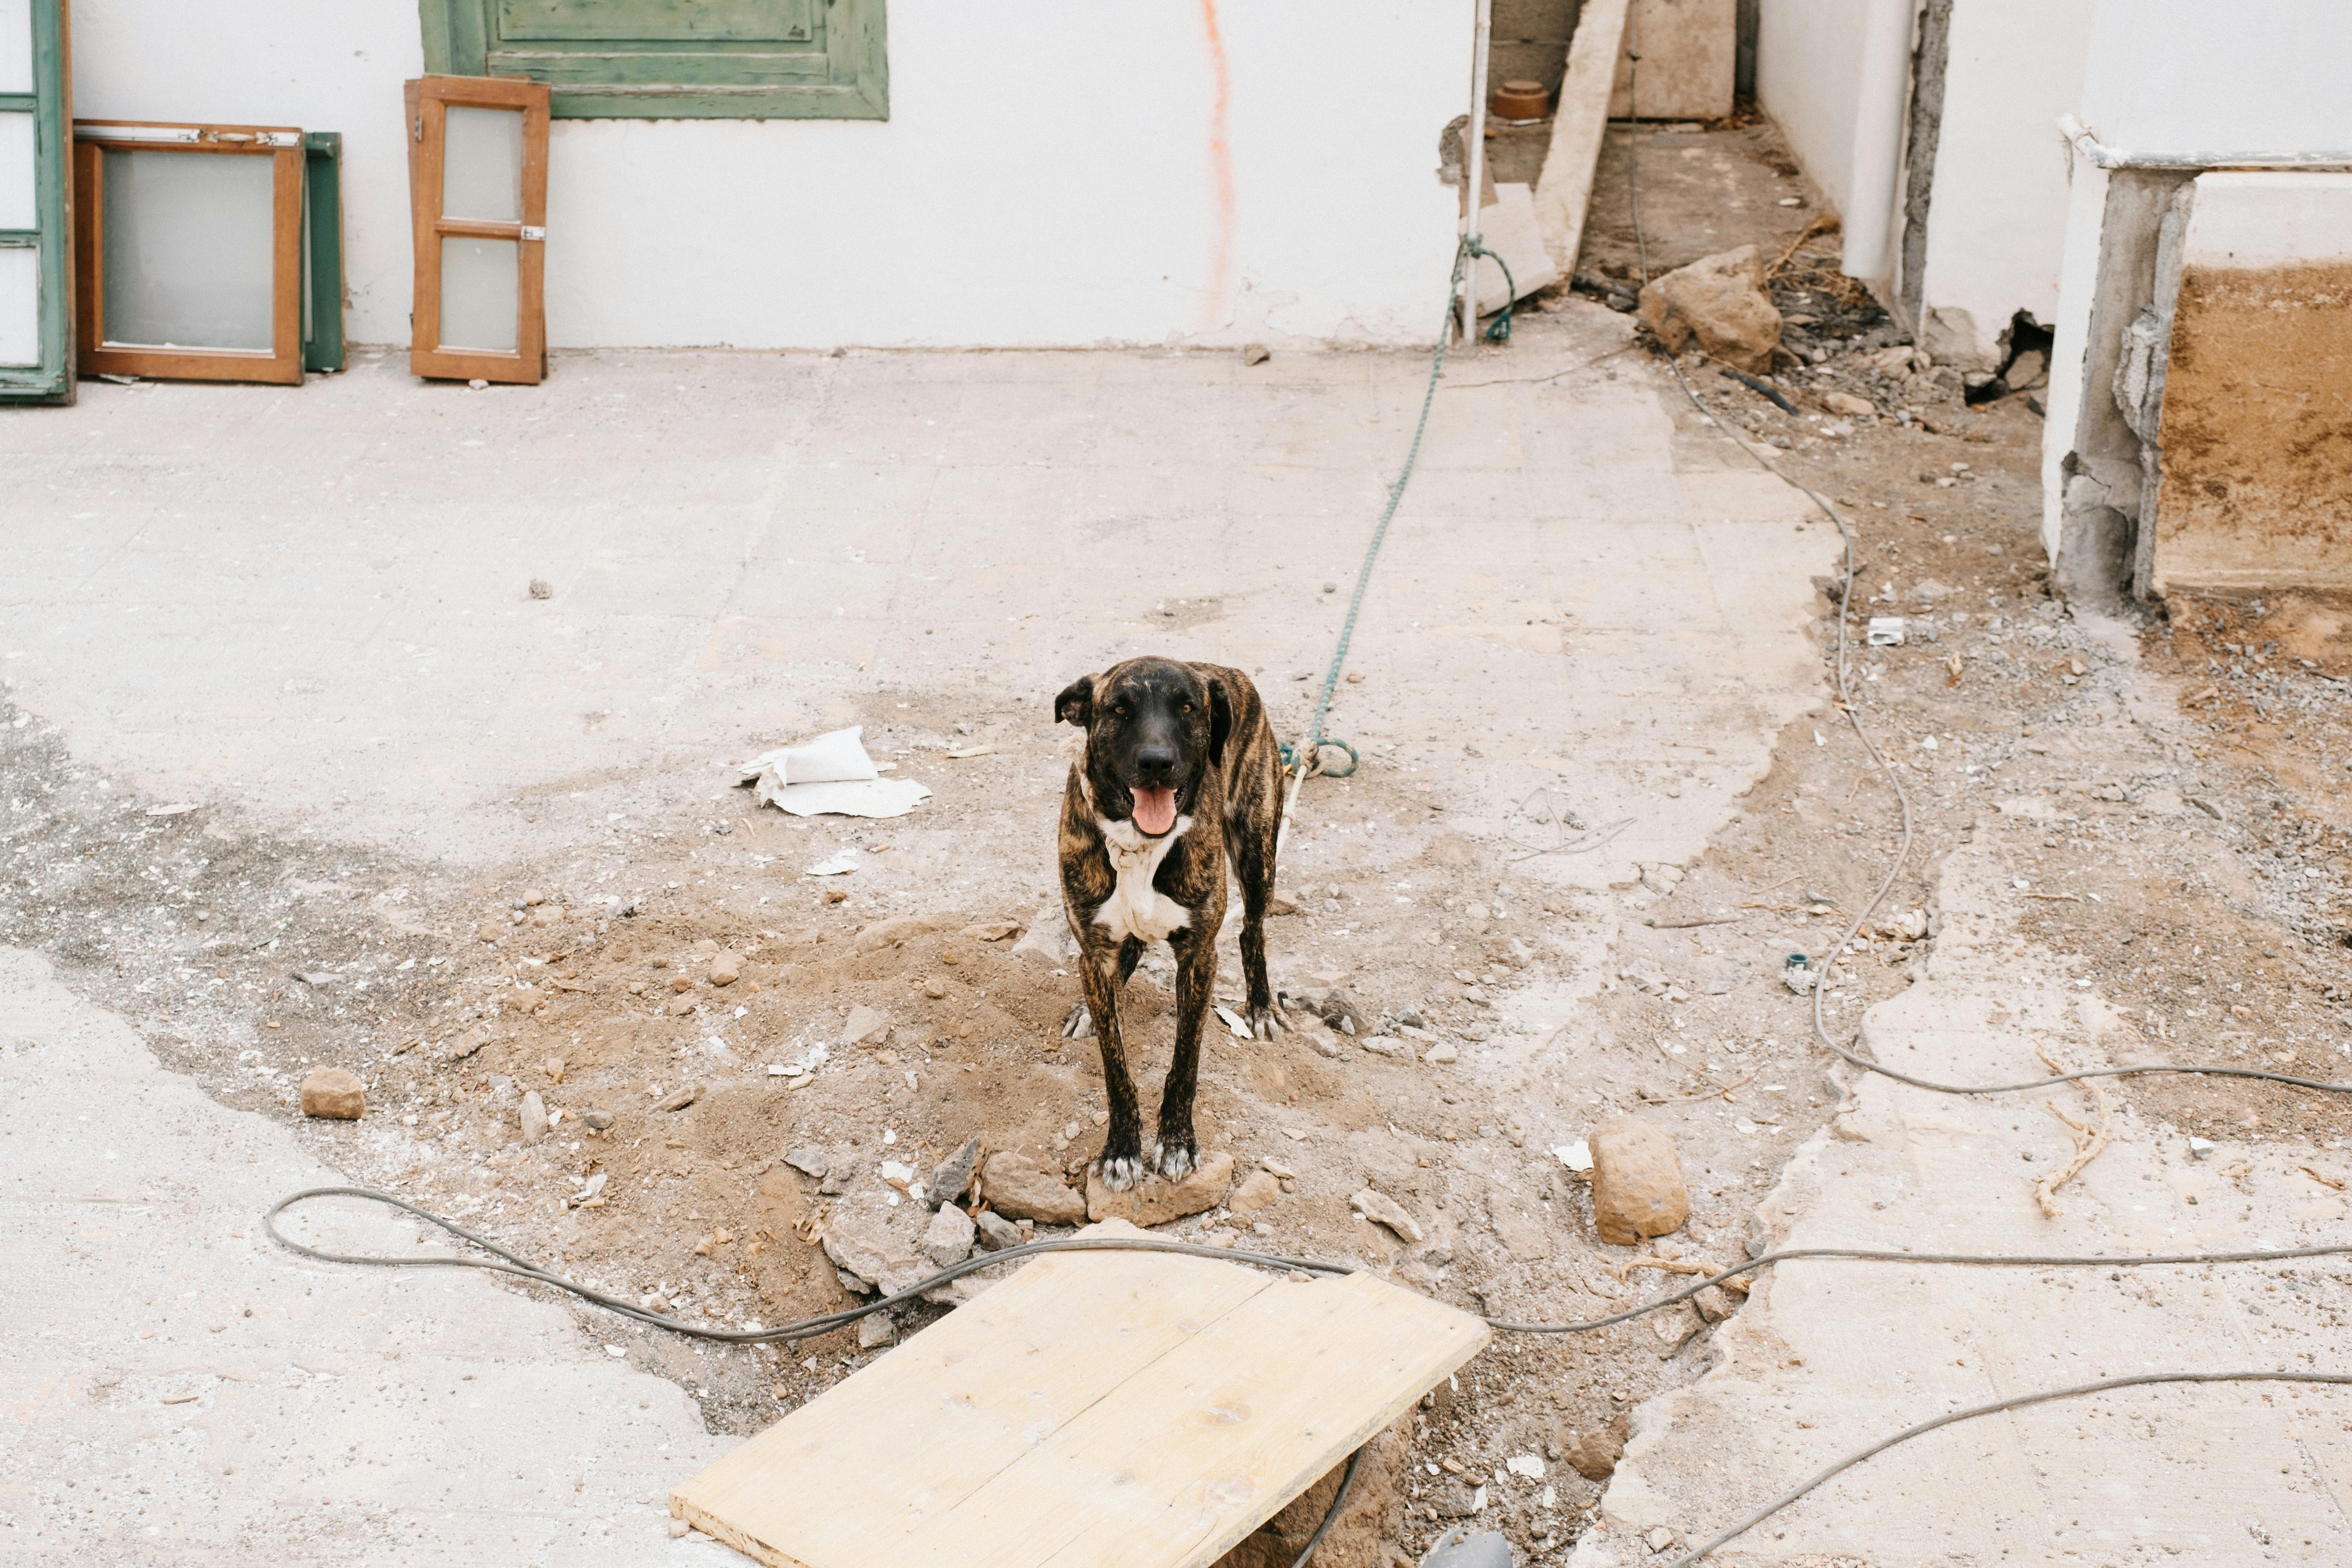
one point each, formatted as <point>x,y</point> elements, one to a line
<point>20,306</point>
<point>188,251</point>
<point>479,280</point>
<point>16,46</point>
<point>17,207</point>
<point>481,165</point>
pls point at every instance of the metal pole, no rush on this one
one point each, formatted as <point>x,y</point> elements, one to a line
<point>1475,165</point>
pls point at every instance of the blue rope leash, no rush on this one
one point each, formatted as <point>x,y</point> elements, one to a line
<point>1307,756</point>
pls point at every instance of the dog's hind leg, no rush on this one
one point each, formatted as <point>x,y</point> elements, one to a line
<point>1120,1163</point>
<point>1078,1024</point>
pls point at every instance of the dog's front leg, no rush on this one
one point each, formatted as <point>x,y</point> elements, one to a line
<point>1175,1155</point>
<point>1120,1163</point>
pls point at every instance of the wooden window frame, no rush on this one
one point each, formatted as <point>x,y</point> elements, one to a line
<point>50,103</point>
<point>612,77</point>
<point>429,100</point>
<point>282,144</point>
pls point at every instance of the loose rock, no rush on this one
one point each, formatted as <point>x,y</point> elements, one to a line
<point>864,1027</point>
<point>1846,403</point>
<point>332,1093</point>
<point>1714,1303</point>
<point>1382,1209</point>
<point>809,1162</point>
<point>1153,1200</point>
<point>1018,1189</point>
<point>726,969</point>
<point>1719,301</point>
<point>534,1117</point>
<point>1259,1189</point>
<point>953,1177</point>
<point>682,1099</point>
<point>946,1240</point>
<point>996,1232</point>
<point>1594,1455</point>
<point>1637,1183</point>
<point>876,1330</point>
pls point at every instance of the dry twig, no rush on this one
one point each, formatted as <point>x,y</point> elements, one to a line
<point>2089,1139</point>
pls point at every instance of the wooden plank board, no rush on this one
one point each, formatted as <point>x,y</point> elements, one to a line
<point>1131,1409</point>
<point>1565,190</point>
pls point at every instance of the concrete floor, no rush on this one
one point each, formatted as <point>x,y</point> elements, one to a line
<point>1829,1356</point>
<point>313,601</point>
<point>309,607</point>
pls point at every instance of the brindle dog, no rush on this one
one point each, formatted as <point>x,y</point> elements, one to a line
<point>1181,777</point>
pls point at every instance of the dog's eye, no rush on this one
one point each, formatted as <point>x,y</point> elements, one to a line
<point>1123,710</point>
<point>1188,708</point>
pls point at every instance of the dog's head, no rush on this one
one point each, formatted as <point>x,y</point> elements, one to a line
<point>1154,727</point>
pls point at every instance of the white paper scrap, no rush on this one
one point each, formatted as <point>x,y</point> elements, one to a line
<point>831,776</point>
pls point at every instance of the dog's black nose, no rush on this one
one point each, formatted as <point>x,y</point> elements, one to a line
<point>1155,762</point>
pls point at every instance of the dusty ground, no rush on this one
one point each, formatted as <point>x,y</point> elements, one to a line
<point>2169,787</point>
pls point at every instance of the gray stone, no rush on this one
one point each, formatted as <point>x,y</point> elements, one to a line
<point>953,1177</point>
<point>810,1162</point>
<point>876,1330</point>
<point>996,1232</point>
<point>946,1240</point>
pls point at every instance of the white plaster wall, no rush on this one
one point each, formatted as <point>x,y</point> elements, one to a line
<point>1808,79</point>
<point>2184,76</point>
<point>2253,218</point>
<point>1048,175</point>
<point>1996,224</point>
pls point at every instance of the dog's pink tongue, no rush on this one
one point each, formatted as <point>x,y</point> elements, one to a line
<point>1155,810</point>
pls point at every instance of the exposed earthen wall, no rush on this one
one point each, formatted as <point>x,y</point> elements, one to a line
<point>2257,475</point>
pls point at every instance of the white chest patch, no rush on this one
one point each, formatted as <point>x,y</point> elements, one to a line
<point>1135,907</point>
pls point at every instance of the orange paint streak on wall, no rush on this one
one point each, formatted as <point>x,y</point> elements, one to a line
<point>1221,173</point>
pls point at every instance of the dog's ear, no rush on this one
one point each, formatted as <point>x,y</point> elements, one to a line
<point>1220,721</point>
<point>1075,705</point>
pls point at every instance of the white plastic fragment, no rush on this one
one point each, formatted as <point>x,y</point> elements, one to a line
<point>1233,1022</point>
<point>1886,631</point>
<point>1576,1156</point>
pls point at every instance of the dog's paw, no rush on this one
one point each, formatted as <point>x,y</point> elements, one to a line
<point>1119,1172</point>
<point>1266,1023</point>
<point>1080,1023</point>
<point>1175,1157</point>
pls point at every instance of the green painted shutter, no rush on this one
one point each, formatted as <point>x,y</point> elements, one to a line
<point>36,350</point>
<point>662,59</point>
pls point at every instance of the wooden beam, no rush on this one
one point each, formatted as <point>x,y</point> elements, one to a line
<point>1565,192</point>
<point>1097,1410</point>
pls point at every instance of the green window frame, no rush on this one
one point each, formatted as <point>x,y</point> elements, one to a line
<point>51,378</point>
<point>673,59</point>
